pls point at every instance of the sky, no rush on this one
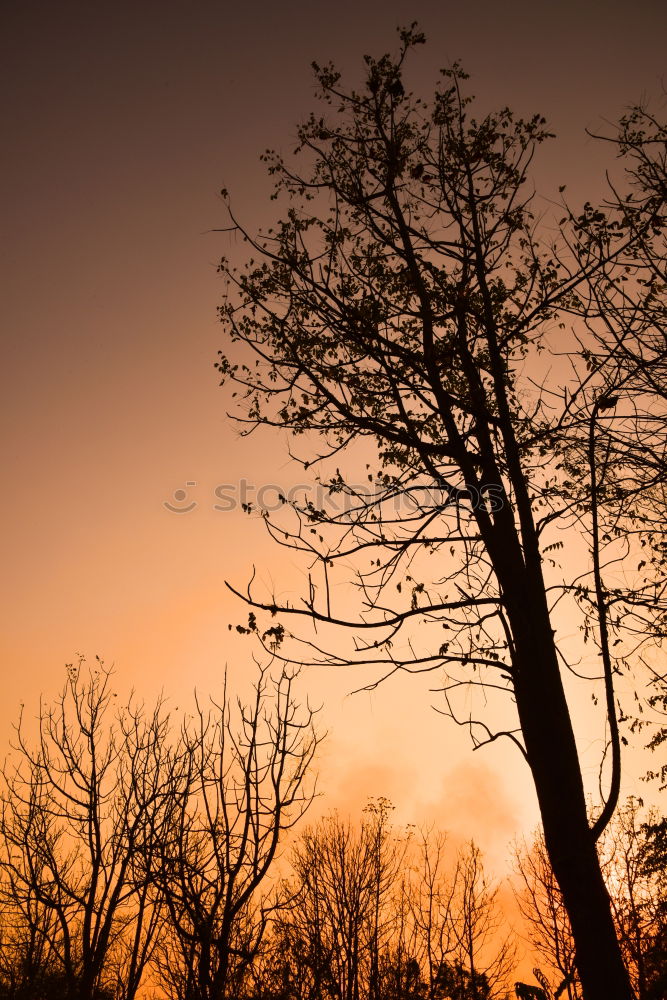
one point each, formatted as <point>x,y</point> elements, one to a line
<point>122,122</point>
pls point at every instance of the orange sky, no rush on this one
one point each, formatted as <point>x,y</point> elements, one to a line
<point>122,122</point>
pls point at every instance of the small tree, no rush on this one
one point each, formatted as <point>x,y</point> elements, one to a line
<point>247,784</point>
<point>454,923</point>
<point>654,865</point>
<point>430,902</point>
<point>637,889</point>
<point>543,910</point>
<point>81,808</point>
<point>456,982</point>
<point>405,301</point>
<point>481,951</point>
<point>342,914</point>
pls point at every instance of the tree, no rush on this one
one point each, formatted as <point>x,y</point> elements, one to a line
<point>634,871</point>
<point>341,915</point>
<point>405,301</point>
<point>454,924</point>
<point>654,865</point>
<point>430,901</point>
<point>484,955</point>
<point>625,312</point>
<point>373,914</point>
<point>81,810</point>
<point>246,786</point>
<point>458,983</point>
<point>637,890</point>
<point>543,910</point>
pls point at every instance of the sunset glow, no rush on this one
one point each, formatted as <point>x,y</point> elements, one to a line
<point>131,496</point>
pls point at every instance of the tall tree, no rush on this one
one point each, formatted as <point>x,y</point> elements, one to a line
<point>405,300</point>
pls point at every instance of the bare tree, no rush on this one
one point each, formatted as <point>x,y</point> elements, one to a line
<point>27,962</point>
<point>405,300</point>
<point>636,897</point>
<point>342,915</point>
<point>481,948</point>
<point>247,784</point>
<point>380,915</point>
<point>546,920</point>
<point>456,922</point>
<point>81,807</point>
<point>430,896</point>
<point>635,891</point>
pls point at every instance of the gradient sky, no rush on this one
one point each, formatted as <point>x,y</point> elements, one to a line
<point>121,123</point>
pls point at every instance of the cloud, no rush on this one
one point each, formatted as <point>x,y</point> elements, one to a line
<point>349,788</point>
<point>475,803</point>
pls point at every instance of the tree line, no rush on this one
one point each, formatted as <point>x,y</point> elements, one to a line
<point>141,856</point>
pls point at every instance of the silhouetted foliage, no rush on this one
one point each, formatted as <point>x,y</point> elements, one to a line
<point>630,851</point>
<point>48,984</point>
<point>545,917</point>
<point>625,313</point>
<point>406,300</point>
<point>654,866</point>
<point>458,983</point>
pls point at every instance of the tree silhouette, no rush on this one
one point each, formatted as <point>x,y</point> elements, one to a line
<point>654,864</point>
<point>635,890</point>
<point>458,983</point>
<point>482,954</point>
<point>406,301</point>
<point>246,785</point>
<point>430,898</point>
<point>625,313</point>
<point>372,913</point>
<point>82,807</point>
<point>341,912</point>
<point>546,920</point>
<point>634,870</point>
<point>129,852</point>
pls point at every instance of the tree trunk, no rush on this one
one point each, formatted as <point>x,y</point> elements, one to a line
<point>554,762</point>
